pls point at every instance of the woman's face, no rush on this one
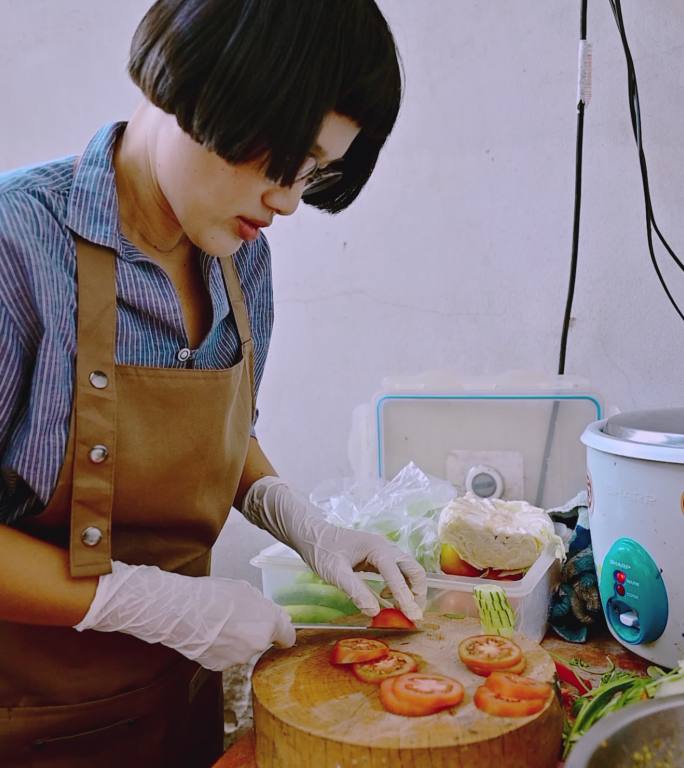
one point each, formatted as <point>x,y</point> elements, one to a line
<point>219,205</point>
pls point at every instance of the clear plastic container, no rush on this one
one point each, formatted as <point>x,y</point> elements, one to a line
<point>523,425</point>
<point>282,574</point>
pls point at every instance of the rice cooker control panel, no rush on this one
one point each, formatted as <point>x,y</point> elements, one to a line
<point>633,594</point>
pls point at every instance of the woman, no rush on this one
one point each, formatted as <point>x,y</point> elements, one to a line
<point>135,315</point>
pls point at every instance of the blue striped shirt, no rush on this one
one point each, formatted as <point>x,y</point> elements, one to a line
<point>38,208</point>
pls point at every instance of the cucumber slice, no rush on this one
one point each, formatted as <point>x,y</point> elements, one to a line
<point>496,615</point>
<point>315,594</point>
<point>313,614</point>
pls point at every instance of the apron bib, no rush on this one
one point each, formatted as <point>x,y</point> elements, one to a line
<point>151,468</point>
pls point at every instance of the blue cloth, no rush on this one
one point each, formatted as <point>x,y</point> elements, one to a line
<point>576,603</point>
<point>38,208</point>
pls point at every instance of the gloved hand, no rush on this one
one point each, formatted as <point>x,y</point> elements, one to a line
<point>333,552</point>
<point>216,622</point>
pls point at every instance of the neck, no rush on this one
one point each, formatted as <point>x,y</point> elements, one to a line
<point>145,217</point>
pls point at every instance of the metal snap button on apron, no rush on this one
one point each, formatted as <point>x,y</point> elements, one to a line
<point>98,379</point>
<point>98,453</point>
<point>184,354</point>
<point>91,536</point>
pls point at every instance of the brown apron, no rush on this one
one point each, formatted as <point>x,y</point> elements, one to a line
<point>152,465</point>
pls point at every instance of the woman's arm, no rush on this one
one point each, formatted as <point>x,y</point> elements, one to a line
<point>35,584</point>
<point>256,467</point>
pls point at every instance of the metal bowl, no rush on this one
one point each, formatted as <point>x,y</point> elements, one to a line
<point>645,735</point>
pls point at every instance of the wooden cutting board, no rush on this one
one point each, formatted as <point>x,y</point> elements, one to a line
<point>309,713</point>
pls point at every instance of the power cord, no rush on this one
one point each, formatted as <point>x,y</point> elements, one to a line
<point>578,189</point>
<point>583,95</point>
<point>635,114</point>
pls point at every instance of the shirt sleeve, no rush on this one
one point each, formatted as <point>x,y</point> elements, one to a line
<point>13,383</point>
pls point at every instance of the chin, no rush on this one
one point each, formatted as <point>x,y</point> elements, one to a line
<point>219,246</point>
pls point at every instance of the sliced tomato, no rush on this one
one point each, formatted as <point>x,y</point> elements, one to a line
<point>395,663</point>
<point>484,671</point>
<point>392,617</point>
<point>452,563</point>
<point>486,700</point>
<point>417,694</point>
<point>392,703</point>
<point>419,688</point>
<point>509,686</point>
<point>493,573</point>
<point>489,652</point>
<point>352,650</point>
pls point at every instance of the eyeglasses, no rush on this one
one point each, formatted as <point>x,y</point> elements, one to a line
<point>317,179</point>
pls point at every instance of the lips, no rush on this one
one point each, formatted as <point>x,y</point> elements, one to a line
<point>248,229</point>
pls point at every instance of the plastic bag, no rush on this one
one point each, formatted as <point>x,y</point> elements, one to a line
<point>405,510</point>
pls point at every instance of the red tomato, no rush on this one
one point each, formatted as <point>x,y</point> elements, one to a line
<point>418,688</point>
<point>392,617</point>
<point>493,573</point>
<point>484,671</point>
<point>489,652</point>
<point>352,650</point>
<point>395,663</point>
<point>452,563</point>
<point>392,703</point>
<point>414,695</point>
<point>508,686</point>
<point>486,700</point>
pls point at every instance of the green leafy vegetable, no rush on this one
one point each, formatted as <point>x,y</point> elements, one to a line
<point>619,689</point>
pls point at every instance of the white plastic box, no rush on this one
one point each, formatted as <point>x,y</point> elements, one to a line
<point>281,569</point>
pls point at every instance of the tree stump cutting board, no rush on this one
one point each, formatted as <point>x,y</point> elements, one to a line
<point>309,713</point>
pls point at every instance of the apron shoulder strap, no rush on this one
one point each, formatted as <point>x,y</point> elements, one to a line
<point>95,412</point>
<point>236,298</point>
<point>239,309</point>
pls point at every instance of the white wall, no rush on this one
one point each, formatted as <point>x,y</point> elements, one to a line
<point>457,253</point>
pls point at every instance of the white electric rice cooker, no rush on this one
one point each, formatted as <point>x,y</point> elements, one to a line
<point>635,476</point>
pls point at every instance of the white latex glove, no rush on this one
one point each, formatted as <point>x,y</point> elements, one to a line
<point>333,552</point>
<point>213,621</point>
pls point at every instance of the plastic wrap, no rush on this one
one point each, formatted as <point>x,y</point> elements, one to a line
<point>405,510</point>
<point>492,533</point>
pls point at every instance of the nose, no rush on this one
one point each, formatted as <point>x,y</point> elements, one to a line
<point>284,200</point>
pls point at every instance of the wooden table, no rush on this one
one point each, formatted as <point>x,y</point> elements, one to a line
<point>595,657</point>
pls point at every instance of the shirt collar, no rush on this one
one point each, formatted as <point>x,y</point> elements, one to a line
<point>93,211</point>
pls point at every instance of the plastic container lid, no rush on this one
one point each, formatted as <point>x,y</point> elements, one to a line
<point>541,429</point>
<point>651,435</point>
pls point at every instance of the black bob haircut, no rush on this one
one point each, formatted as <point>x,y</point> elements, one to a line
<point>253,79</point>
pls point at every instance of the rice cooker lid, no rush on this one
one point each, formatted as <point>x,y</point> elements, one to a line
<point>663,428</point>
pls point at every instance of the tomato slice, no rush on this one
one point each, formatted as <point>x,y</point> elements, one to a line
<point>489,652</point>
<point>508,686</point>
<point>486,700</point>
<point>416,694</point>
<point>485,671</point>
<point>392,703</point>
<point>395,663</point>
<point>452,563</point>
<point>420,688</point>
<point>392,617</point>
<point>352,650</point>
<point>497,575</point>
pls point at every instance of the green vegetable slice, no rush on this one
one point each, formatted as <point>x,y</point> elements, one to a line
<point>315,594</point>
<point>313,614</point>
<point>496,615</point>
